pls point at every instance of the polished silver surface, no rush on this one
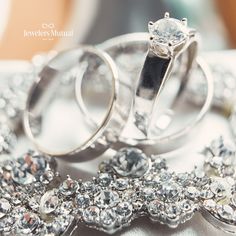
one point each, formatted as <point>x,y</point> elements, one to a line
<point>84,145</point>
<point>169,39</point>
<point>174,124</point>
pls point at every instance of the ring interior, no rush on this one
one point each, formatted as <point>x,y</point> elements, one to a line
<point>52,118</point>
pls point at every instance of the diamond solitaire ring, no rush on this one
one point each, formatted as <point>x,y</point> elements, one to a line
<point>128,52</point>
<point>169,39</point>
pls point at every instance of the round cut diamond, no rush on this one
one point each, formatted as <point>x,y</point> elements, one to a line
<point>91,214</point>
<point>169,191</point>
<point>107,199</point>
<point>108,217</point>
<point>83,200</point>
<point>130,162</point>
<point>68,187</point>
<point>124,210</point>
<point>121,184</point>
<point>168,31</point>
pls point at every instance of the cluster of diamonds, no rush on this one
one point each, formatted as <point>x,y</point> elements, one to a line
<point>22,200</point>
<point>34,201</point>
<point>220,199</point>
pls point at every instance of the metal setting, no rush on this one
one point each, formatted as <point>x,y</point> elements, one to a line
<point>105,134</point>
<point>35,202</point>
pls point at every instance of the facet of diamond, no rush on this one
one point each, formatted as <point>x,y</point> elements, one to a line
<point>91,215</point>
<point>130,162</point>
<point>192,192</point>
<point>108,217</point>
<point>49,202</point>
<point>124,210</point>
<point>82,200</point>
<point>107,198</point>
<point>155,207</point>
<point>169,191</point>
<point>167,31</point>
<point>5,207</point>
<point>121,184</point>
<point>68,187</point>
<point>209,204</point>
<point>104,179</point>
<point>27,224</point>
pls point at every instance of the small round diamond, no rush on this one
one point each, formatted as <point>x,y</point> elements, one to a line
<point>108,217</point>
<point>124,210</point>
<point>121,184</point>
<point>168,31</point>
<point>91,214</point>
<point>107,198</point>
<point>130,162</point>
<point>225,211</point>
<point>68,187</point>
<point>83,200</point>
<point>169,191</point>
<point>104,179</point>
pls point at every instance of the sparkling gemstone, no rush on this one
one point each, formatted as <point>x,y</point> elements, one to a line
<point>192,192</point>
<point>83,200</point>
<point>121,184</point>
<point>209,204</point>
<point>49,202</point>
<point>124,210</point>
<point>187,205</point>
<point>108,217</point>
<point>172,210</point>
<point>206,194</point>
<point>155,207</point>
<point>225,211</point>
<point>5,207</point>
<point>168,31</point>
<point>68,187</point>
<point>89,187</point>
<point>91,214</point>
<point>107,198</point>
<point>130,162</point>
<point>220,187</point>
<point>169,191</point>
<point>27,223</point>
<point>104,179</point>
<point>148,193</point>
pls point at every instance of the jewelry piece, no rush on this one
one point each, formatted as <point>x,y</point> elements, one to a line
<point>169,39</point>
<point>128,53</point>
<point>81,61</point>
<point>130,185</point>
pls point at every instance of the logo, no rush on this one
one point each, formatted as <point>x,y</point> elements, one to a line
<point>47,31</point>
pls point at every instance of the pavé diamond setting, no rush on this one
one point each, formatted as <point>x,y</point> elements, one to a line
<point>34,205</point>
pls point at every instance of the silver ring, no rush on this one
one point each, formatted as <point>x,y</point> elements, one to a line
<point>123,49</point>
<point>48,83</point>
